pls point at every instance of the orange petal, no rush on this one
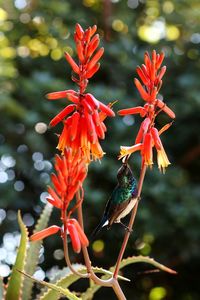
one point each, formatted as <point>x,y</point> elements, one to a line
<point>96,118</point>
<point>74,127</point>
<point>93,45</point>
<point>96,151</point>
<point>72,96</point>
<point>162,72</point>
<point>124,151</point>
<point>142,75</point>
<point>141,90</point>
<point>100,131</point>
<point>160,60</point>
<point>92,136</point>
<point>106,109</point>
<point>164,128</point>
<point>156,138</point>
<point>147,151</point>
<point>153,95</point>
<point>145,124</point>
<point>76,244</point>
<point>93,30</point>
<point>147,61</point>
<point>139,136</point>
<point>61,115</point>
<point>72,63</point>
<point>82,236</point>
<point>54,203</point>
<point>56,183</point>
<point>44,233</point>
<point>64,138</point>
<point>165,108</point>
<point>87,35</point>
<point>56,95</point>
<point>92,71</point>
<point>95,58</point>
<point>130,111</point>
<point>54,196</point>
<point>79,31</point>
<point>154,56</point>
<point>93,102</point>
<point>80,51</point>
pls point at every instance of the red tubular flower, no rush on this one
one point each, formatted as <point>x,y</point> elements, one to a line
<point>71,171</point>
<point>134,110</point>
<point>44,233</point>
<point>147,150</point>
<point>76,243</point>
<point>77,235</point>
<point>82,128</point>
<point>151,74</point>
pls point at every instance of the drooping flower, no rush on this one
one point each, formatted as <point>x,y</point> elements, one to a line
<point>148,137</point>
<point>75,231</point>
<point>82,125</point>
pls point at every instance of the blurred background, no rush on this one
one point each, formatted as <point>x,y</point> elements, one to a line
<point>33,36</point>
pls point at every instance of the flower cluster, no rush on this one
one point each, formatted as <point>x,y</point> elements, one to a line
<point>148,136</point>
<point>70,173</point>
<point>83,126</point>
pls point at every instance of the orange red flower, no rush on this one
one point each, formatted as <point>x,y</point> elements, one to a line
<point>148,137</point>
<point>75,231</point>
<point>83,126</point>
<point>71,171</point>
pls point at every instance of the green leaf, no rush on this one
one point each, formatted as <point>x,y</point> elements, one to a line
<point>144,259</point>
<point>63,282</point>
<point>70,278</point>
<point>14,288</point>
<point>125,262</point>
<point>33,252</point>
<point>54,287</point>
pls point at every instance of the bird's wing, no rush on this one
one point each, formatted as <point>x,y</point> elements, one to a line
<point>117,205</point>
<point>103,222</point>
<point>115,211</point>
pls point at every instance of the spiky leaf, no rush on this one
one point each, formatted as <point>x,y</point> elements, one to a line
<point>63,291</point>
<point>14,288</point>
<point>125,262</point>
<point>144,259</point>
<point>33,252</point>
<point>70,278</point>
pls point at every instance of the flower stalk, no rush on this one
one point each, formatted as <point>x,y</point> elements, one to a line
<point>79,143</point>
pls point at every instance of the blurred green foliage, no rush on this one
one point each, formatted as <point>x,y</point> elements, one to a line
<point>33,37</point>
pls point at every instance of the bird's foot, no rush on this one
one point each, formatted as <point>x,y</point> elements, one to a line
<point>126,227</point>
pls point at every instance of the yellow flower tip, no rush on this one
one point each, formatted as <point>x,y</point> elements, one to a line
<point>120,157</point>
<point>149,164</point>
<point>96,151</point>
<point>123,151</point>
<point>163,161</point>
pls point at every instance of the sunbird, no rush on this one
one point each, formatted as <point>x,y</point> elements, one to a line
<point>122,199</point>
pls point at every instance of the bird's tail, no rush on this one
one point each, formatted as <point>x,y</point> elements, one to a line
<point>104,222</point>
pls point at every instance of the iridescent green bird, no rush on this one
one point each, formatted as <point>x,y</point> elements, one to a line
<point>122,199</point>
